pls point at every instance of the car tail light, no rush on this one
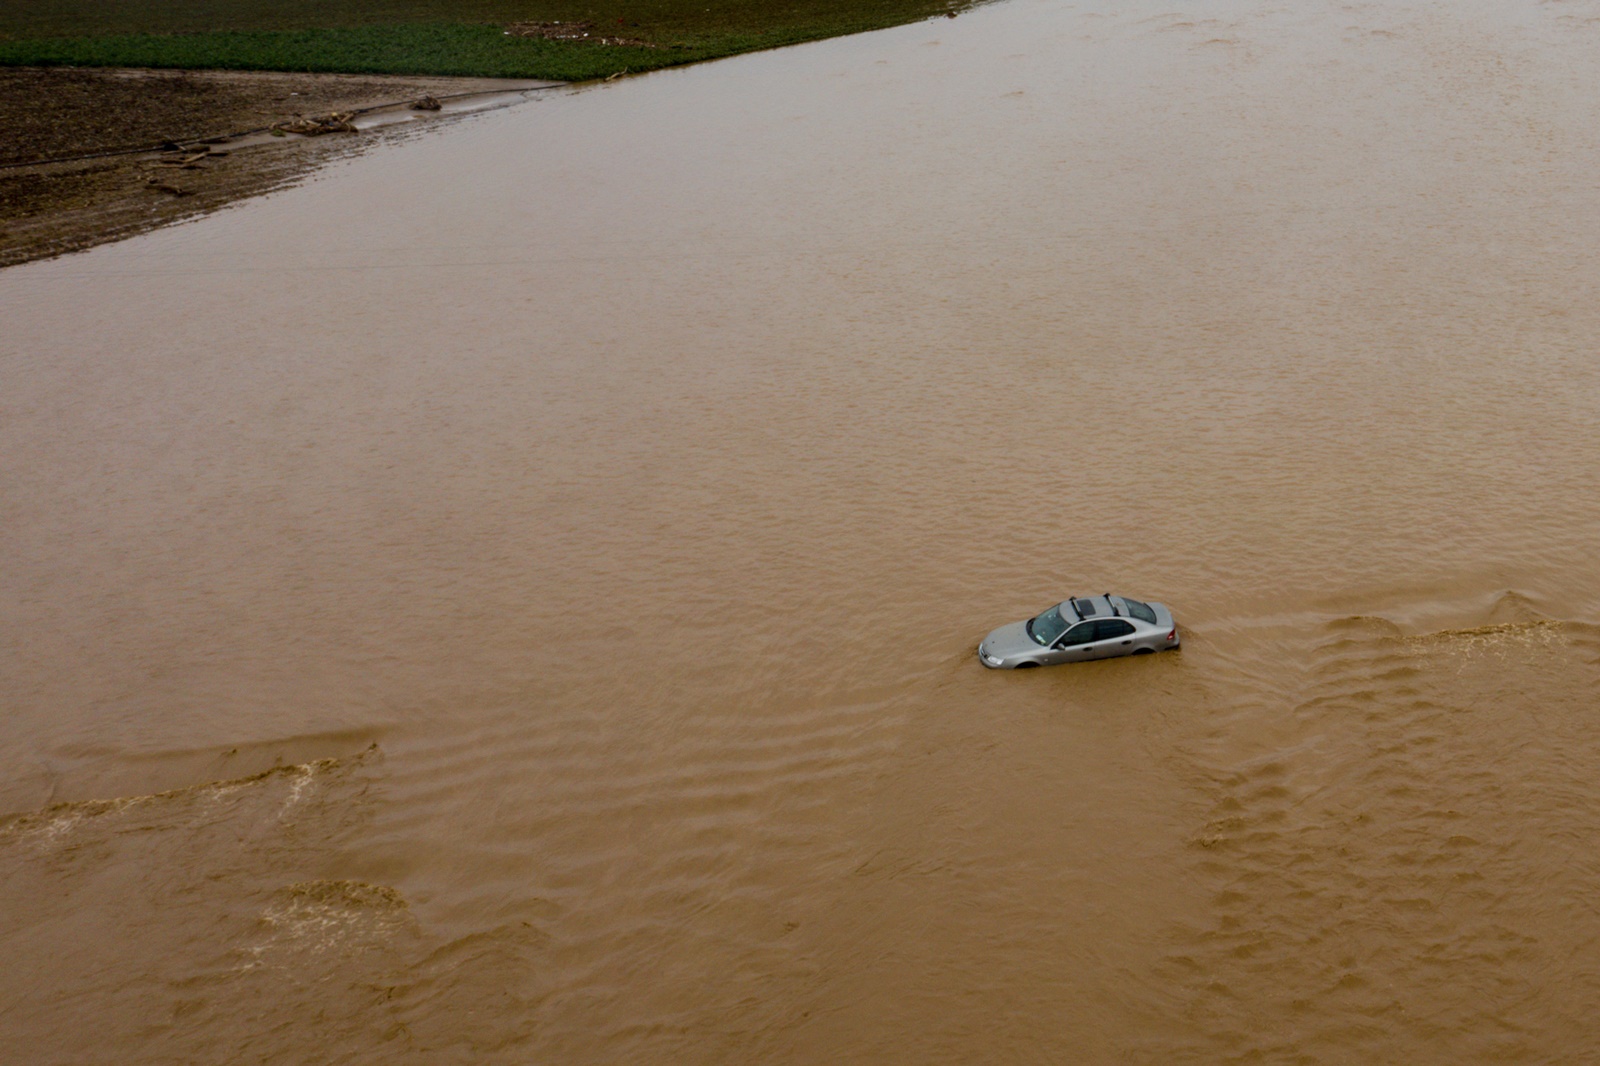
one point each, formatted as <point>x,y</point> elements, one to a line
<point>1172,634</point>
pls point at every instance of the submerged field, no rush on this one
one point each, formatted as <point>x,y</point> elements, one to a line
<point>570,40</point>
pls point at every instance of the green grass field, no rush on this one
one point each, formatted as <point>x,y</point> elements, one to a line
<point>439,37</point>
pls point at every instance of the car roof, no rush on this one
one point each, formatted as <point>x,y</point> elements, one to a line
<point>1087,607</point>
<point>1103,606</point>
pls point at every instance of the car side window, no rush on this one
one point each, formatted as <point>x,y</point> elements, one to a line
<point>1082,633</point>
<point>1111,628</point>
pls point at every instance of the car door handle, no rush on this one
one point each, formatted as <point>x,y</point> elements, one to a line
<point>1127,642</point>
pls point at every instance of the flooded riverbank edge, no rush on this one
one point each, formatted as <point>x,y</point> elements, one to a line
<point>103,148</point>
<point>186,143</point>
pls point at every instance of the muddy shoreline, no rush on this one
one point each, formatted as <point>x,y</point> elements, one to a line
<point>99,155</point>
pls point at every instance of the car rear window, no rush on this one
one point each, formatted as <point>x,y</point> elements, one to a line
<point>1141,611</point>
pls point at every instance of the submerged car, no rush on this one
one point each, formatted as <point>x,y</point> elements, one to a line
<point>1083,627</point>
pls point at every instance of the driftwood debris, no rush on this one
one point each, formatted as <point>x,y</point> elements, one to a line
<point>188,159</point>
<point>161,186</point>
<point>317,125</point>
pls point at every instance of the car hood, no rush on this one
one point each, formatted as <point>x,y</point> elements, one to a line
<point>1010,640</point>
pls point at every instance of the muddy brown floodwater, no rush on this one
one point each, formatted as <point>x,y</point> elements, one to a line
<point>513,598</point>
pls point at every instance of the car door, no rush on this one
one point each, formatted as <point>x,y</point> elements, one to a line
<point>1074,645</point>
<point>1112,637</point>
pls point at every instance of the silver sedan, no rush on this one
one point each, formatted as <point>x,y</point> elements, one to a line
<point>1083,627</point>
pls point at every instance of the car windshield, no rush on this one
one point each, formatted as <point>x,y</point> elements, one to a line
<point>1047,627</point>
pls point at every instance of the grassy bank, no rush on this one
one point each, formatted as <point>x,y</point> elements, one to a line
<point>427,37</point>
